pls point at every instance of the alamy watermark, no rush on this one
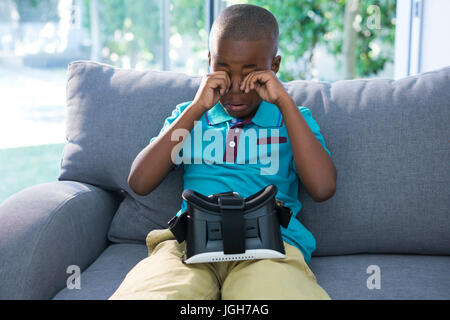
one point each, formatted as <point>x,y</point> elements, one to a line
<point>208,147</point>
<point>374,20</point>
<point>374,280</point>
<point>74,280</point>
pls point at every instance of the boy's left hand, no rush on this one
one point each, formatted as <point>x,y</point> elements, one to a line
<point>266,84</point>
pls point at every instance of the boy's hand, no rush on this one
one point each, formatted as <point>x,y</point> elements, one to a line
<point>213,86</point>
<point>266,84</point>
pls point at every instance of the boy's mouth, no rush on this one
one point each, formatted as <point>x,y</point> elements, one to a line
<point>237,107</point>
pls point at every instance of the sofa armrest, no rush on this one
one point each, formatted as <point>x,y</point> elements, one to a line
<point>46,228</point>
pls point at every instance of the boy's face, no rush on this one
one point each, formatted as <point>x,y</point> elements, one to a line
<point>238,59</point>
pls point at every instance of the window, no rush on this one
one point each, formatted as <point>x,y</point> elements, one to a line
<point>151,34</point>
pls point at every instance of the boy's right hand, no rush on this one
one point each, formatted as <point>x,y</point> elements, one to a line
<point>213,86</point>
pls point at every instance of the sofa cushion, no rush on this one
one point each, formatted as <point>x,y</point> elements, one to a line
<point>103,277</point>
<point>112,114</point>
<point>388,140</point>
<point>343,277</point>
<point>383,276</point>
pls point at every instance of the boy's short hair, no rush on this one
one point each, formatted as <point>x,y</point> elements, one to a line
<point>244,22</point>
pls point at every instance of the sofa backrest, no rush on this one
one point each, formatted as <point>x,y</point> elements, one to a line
<point>389,141</point>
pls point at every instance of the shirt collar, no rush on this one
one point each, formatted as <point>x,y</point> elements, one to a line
<point>267,115</point>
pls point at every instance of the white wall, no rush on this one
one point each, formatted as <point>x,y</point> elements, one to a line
<point>422,36</point>
<point>435,35</point>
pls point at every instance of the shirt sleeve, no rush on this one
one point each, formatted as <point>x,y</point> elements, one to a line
<point>307,115</point>
<point>168,121</point>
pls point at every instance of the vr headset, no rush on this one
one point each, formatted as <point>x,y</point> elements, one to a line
<point>226,227</point>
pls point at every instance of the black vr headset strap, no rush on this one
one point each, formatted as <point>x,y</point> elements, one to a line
<point>284,213</point>
<point>178,226</point>
<point>233,227</point>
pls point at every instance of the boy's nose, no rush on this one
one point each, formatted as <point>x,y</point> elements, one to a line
<point>235,85</point>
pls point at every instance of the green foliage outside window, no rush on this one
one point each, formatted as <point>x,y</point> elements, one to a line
<point>133,29</point>
<point>128,28</point>
<point>304,24</point>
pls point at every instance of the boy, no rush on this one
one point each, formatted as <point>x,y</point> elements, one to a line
<point>240,95</point>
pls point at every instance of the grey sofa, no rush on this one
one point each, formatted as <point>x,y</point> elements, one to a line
<point>385,234</point>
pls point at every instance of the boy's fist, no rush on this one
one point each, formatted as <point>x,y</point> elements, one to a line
<point>213,86</point>
<point>266,84</point>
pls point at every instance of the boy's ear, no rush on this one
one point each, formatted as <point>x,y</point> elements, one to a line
<point>209,58</point>
<point>276,64</point>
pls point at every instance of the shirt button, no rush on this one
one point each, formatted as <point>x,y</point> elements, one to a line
<point>232,144</point>
<point>236,130</point>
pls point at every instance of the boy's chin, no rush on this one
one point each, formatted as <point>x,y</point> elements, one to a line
<point>241,112</point>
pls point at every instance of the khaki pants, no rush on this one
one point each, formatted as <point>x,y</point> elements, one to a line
<point>162,275</point>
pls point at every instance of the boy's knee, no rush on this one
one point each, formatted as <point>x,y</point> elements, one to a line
<point>274,279</point>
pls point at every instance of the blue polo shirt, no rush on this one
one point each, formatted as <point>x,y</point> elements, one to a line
<point>223,153</point>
